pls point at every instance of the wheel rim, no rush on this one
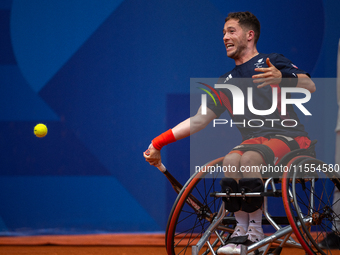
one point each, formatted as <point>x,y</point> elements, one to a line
<point>320,216</point>
<point>186,225</point>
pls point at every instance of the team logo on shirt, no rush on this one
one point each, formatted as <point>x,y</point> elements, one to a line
<point>228,78</point>
<point>259,63</point>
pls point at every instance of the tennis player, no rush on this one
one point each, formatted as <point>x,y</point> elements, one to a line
<point>265,71</point>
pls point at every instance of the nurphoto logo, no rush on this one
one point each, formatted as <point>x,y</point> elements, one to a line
<point>279,99</point>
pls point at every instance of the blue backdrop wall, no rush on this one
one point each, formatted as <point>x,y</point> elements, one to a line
<point>106,77</point>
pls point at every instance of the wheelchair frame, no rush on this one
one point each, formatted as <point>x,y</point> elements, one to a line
<point>216,225</point>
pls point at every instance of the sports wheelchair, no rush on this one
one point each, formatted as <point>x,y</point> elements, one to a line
<point>199,223</point>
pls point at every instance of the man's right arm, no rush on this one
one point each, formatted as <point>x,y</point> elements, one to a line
<point>180,131</point>
<point>193,124</point>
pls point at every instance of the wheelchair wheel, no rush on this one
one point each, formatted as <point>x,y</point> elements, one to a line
<point>307,196</point>
<point>192,213</point>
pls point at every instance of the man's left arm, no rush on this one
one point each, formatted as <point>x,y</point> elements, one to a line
<point>304,81</point>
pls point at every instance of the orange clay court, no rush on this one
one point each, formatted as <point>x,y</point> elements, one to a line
<point>111,244</point>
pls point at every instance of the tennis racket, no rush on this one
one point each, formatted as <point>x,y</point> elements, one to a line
<point>177,186</point>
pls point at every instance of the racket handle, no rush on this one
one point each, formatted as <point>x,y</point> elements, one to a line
<point>162,168</point>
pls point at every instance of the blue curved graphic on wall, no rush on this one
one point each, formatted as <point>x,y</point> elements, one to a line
<point>52,31</point>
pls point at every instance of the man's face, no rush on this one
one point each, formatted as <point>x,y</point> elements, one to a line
<point>235,39</point>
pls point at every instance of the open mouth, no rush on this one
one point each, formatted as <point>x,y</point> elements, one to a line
<point>229,46</point>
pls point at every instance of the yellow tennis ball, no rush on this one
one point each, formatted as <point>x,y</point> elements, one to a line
<point>40,130</point>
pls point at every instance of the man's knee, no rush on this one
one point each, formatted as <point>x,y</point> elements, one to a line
<point>251,158</point>
<point>232,159</point>
<point>232,163</point>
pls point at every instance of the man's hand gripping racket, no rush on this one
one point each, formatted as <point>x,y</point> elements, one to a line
<point>174,183</point>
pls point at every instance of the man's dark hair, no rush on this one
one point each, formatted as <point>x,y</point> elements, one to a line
<point>246,20</point>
